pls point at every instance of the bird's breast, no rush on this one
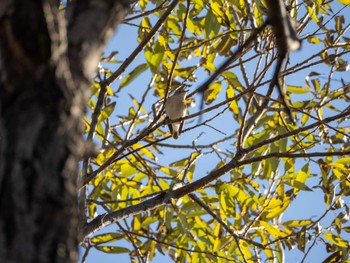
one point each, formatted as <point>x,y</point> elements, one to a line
<point>175,109</point>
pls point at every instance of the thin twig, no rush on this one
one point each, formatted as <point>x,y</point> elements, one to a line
<point>143,43</point>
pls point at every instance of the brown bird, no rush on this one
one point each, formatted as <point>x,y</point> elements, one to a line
<point>175,108</point>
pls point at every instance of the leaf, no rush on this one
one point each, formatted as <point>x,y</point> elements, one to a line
<point>155,57</point>
<point>301,240</point>
<point>211,25</point>
<point>217,10</point>
<point>143,4</point>
<point>212,92</point>
<point>92,210</point>
<point>125,168</point>
<point>299,185</point>
<point>106,112</point>
<point>304,119</point>
<point>312,13</point>
<point>297,223</point>
<point>276,207</point>
<point>336,240</point>
<point>314,40</point>
<point>107,237</point>
<point>169,171</point>
<point>173,25</point>
<point>316,84</point>
<point>344,160</point>
<point>144,151</point>
<point>149,220</point>
<point>344,2</point>
<point>273,230</point>
<point>133,74</point>
<point>113,249</point>
<point>334,258</point>
<point>230,93</point>
<point>296,89</point>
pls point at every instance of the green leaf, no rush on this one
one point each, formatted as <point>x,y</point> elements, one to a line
<point>113,249</point>
<point>107,237</point>
<point>211,25</point>
<point>133,74</point>
<point>106,112</point>
<point>125,168</point>
<point>155,57</point>
<point>212,92</point>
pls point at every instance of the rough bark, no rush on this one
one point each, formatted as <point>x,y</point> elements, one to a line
<point>43,87</point>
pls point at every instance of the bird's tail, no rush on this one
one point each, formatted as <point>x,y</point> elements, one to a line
<point>175,135</point>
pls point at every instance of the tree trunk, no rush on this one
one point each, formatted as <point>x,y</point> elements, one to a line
<point>42,100</point>
<point>39,129</point>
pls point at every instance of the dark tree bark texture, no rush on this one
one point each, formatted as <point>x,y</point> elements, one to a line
<point>43,87</point>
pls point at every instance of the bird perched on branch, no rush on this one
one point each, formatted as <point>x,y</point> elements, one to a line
<point>175,108</point>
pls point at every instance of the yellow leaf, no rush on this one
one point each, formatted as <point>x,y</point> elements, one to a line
<point>273,230</point>
<point>104,238</point>
<point>144,151</point>
<point>345,160</point>
<point>230,93</point>
<point>112,249</point>
<point>211,94</point>
<point>296,89</point>
<point>314,40</point>
<point>344,2</point>
<point>168,171</point>
<point>312,13</point>
<point>336,240</point>
<point>294,223</point>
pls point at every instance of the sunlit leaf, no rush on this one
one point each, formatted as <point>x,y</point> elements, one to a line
<point>344,160</point>
<point>344,2</point>
<point>296,90</point>
<point>336,240</point>
<point>106,112</point>
<point>112,249</point>
<point>273,230</point>
<point>106,237</point>
<point>294,223</point>
<point>143,4</point>
<point>212,92</point>
<point>155,56</point>
<point>314,40</point>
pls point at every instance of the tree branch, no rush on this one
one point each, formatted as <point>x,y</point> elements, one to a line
<point>143,43</point>
<point>238,160</point>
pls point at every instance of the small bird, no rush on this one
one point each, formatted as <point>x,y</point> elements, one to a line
<point>175,108</point>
